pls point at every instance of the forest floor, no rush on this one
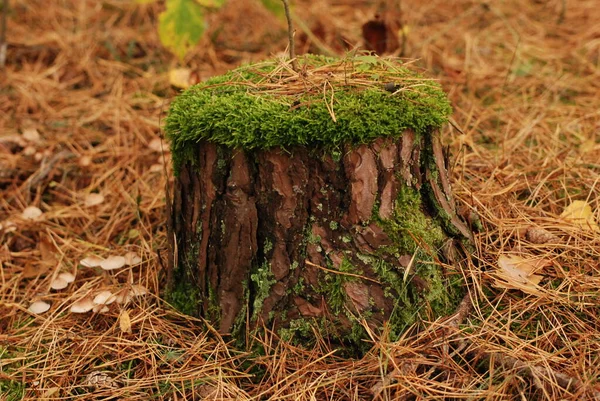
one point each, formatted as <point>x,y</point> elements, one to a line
<point>83,170</point>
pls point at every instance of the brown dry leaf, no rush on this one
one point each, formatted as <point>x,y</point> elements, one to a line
<point>50,392</point>
<point>580,213</point>
<point>539,235</point>
<point>180,77</point>
<point>38,307</point>
<point>517,273</point>
<point>125,322</point>
<point>32,270</point>
<point>47,250</point>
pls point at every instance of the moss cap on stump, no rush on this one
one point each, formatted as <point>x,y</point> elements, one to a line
<point>329,103</point>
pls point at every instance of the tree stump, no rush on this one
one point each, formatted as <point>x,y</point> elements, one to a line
<point>313,200</point>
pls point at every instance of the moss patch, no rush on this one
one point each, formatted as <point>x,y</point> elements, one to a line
<point>331,102</point>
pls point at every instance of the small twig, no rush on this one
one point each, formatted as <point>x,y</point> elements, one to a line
<point>292,46</point>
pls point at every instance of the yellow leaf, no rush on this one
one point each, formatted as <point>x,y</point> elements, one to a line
<point>580,213</point>
<point>180,77</point>
<point>515,272</point>
<point>211,3</point>
<point>180,26</point>
<point>125,322</point>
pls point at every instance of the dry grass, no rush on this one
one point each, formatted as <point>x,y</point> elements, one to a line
<point>91,78</point>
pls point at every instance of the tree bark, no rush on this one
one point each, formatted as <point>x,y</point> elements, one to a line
<point>309,239</point>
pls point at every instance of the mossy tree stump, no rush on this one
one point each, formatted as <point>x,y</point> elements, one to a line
<point>317,199</point>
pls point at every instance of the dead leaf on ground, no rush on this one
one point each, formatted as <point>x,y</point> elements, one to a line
<point>539,235</point>
<point>125,322</point>
<point>34,269</point>
<point>180,77</point>
<point>516,272</point>
<point>581,214</point>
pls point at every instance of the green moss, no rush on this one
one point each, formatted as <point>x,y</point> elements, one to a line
<point>263,106</point>
<point>332,285</point>
<point>410,225</point>
<point>184,296</point>
<point>263,280</point>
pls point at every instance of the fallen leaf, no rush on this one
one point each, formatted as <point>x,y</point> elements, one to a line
<point>100,380</point>
<point>580,213</point>
<point>34,269</point>
<point>113,262</point>
<point>125,322</point>
<point>31,213</point>
<point>38,307</point>
<point>180,77</point>
<point>541,236</point>
<point>91,261</point>
<point>50,392</point>
<point>93,199</point>
<point>516,272</point>
<point>47,250</point>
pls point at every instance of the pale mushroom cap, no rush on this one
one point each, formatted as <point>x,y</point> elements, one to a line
<point>104,298</point>
<point>31,213</point>
<point>113,262</point>
<point>38,307</point>
<point>131,258</point>
<point>93,199</point>
<point>91,261</point>
<point>66,276</point>
<point>82,306</point>
<point>58,284</point>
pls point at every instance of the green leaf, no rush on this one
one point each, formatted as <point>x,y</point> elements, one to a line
<point>275,7</point>
<point>211,3</point>
<point>181,26</point>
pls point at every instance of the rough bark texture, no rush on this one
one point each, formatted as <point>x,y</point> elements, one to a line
<point>302,238</point>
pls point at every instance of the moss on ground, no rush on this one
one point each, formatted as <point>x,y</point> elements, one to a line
<point>333,102</point>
